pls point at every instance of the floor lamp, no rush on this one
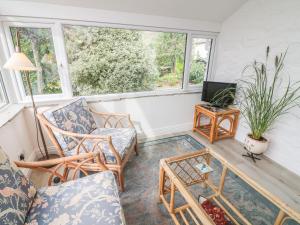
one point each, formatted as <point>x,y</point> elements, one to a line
<point>19,62</point>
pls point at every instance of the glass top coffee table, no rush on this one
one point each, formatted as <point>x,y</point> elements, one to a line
<point>203,188</point>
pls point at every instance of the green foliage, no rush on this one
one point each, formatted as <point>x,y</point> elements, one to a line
<point>179,67</point>
<point>260,106</point>
<point>52,87</point>
<point>169,80</point>
<point>170,49</point>
<point>222,97</point>
<point>106,60</point>
<point>37,45</point>
<point>197,72</point>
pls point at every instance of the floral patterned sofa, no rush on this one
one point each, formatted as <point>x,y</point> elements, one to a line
<point>89,200</point>
<point>74,128</point>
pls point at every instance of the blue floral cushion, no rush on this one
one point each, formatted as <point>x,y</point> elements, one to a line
<point>74,117</point>
<point>16,193</point>
<point>90,200</point>
<point>122,139</point>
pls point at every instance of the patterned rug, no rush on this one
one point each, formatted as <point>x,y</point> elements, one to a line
<point>140,199</point>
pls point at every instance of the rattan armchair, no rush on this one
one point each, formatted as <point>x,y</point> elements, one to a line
<point>114,137</point>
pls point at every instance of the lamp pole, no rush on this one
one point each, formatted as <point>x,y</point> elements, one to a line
<point>20,62</point>
<point>35,112</point>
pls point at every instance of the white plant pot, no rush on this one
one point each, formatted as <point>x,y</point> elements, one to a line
<point>255,146</point>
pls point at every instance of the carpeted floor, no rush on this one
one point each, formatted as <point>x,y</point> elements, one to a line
<point>141,179</point>
<point>140,199</point>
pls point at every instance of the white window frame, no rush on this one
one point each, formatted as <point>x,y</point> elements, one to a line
<point>56,26</point>
<point>209,66</point>
<point>17,77</point>
<point>3,93</point>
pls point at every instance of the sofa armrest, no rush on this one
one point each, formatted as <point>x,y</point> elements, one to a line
<point>60,167</point>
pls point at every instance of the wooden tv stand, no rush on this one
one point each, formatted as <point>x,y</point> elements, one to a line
<point>214,130</point>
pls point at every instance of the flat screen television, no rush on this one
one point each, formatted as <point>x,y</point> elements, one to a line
<point>218,94</point>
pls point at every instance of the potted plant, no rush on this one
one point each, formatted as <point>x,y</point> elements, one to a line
<point>263,98</point>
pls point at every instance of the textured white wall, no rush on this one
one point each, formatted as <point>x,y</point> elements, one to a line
<point>243,38</point>
<point>156,115</point>
<point>15,138</point>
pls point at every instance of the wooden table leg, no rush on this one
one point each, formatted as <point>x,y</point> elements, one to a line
<point>172,198</point>
<point>208,160</point>
<point>235,123</point>
<point>212,130</point>
<point>161,183</point>
<point>222,180</point>
<point>196,116</point>
<point>279,218</point>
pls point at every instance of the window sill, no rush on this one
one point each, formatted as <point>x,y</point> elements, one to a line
<point>8,112</point>
<point>156,93</point>
<point>117,97</point>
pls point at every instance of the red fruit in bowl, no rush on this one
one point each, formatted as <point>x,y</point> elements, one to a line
<point>212,216</point>
<point>218,216</point>
<point>216,210</point>
<point>222,213</point>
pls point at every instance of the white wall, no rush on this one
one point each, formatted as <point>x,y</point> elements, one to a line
<point>156,115</point>
<point>15,138</point>
<point>243,38</point>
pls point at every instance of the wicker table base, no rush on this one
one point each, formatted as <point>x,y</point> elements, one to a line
<point>214,130</point>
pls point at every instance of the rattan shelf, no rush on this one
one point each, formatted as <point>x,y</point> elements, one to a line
<point>215,130</point>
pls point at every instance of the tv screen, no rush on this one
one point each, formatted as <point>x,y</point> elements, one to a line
<point>218,94</point>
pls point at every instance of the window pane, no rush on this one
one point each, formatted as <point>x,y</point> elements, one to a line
<point>37,45</point>
<point>109,60</point>
<point>199,60</point>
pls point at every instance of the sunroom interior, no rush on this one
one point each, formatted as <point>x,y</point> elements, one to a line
<point>149,112</point>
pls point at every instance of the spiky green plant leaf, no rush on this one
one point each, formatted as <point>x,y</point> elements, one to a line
<point>259,104</point>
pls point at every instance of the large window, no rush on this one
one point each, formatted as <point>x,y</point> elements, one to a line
<point>108,60</point>
<point>90,59</point>
<point>37,44</point>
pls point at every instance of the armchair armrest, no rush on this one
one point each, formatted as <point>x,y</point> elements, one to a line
<point>85,142</point>
<point>114,120</point>
<point>76,163</point>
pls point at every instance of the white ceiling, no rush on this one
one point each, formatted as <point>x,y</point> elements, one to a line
<point>207,10</point>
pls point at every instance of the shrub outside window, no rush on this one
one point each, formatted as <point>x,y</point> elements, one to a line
<point>87,59</point>
<point>37,45</point>
<point>199,60</point>
<point>109,60</point>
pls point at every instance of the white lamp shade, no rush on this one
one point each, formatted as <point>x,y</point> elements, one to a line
<point>19,62</point>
